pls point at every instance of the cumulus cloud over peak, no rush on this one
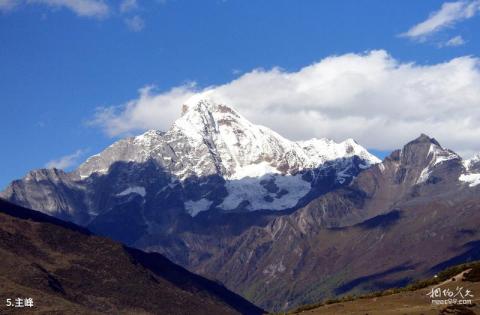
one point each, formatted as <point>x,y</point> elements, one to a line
<point>371,97</point>
<point>66,161</point>
<point>149,111</point>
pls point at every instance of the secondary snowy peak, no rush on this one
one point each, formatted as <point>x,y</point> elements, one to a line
<point>322,150</point>
<point>423,156</point>
<point>137,149</point>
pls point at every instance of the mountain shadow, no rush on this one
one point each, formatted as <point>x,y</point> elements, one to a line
<point>381,221</point>
<point>373,277</point>
<point>471,253</point>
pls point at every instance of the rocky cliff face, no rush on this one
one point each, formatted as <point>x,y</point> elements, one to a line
<point>400,220</point>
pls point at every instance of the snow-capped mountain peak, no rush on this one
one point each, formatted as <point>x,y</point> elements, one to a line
<point>246,149</point>
<point>259,166</point>
<point>213,138</point>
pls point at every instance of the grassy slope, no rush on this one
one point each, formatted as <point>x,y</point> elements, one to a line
<point>412,299</point>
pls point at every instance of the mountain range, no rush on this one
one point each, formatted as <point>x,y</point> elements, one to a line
<point>280,222</point>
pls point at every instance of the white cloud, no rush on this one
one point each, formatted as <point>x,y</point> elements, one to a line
<point>66,161</point>
<point>135,23</point>
<point>149,111</point>
<point>455,41</point>
<point>449,14</point>
<point>85,8</point>
<point>371,97</point>
<point>128,5</point>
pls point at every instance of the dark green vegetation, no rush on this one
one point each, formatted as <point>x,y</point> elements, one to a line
<point>473,276</point>
<point>67,270</point>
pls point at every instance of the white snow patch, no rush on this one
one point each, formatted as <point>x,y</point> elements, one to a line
<point>424,175</point>
<point>472,179</point>
<point>254,170</point>
<point>342,176</point>
<point>101,171</point>
<point>468,163</point>
<point>381,167</point>
<point>438,156</point>
<point>363,166</point>
<point>133,190</point>
<point>250,189</point>
<point>195,207</point>
<point>149,138</point>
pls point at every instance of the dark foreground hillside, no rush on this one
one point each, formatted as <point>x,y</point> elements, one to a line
<point>66,270</point>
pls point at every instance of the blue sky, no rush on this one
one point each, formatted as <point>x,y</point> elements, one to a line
<point>59,63</point>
